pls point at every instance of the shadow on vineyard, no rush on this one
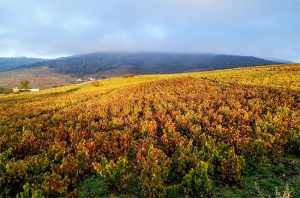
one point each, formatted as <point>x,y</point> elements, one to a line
<point>230,133</point>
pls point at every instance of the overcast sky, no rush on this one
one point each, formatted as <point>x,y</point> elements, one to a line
<point>53,28</point>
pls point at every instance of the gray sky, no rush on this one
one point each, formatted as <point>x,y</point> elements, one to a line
<point>52,28</point>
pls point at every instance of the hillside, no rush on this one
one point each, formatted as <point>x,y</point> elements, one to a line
<point>226,133</point>
<point>115,64</point>
<point>44,73</point>
<point>39,77</point>
<point>13,63</point>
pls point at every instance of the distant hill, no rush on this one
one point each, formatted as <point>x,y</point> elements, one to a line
<point>39,77</point>
<point>13,63</point>
<point>146,63</point>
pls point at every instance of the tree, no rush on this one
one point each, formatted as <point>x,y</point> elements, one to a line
<point>5,90</point>
<point>24,84</point>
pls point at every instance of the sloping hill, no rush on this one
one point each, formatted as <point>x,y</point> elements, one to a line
<point>215,134</point>
<point>44,73</point>
<point>13,63</point>
<point>39,77</point>
<point>114,64</point>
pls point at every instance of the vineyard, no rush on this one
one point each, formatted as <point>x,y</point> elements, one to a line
<point>199,134</point>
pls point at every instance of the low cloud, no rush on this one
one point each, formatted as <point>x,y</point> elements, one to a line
<point>52,28</point>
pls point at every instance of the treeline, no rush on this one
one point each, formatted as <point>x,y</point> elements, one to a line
<point>5,90</point>
<point>13,63</point>
<point>145,63</point>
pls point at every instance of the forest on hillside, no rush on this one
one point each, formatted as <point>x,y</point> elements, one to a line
<point>147,63</point>
<point>7,64</point>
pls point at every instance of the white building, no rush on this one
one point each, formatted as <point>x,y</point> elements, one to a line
<point>16,89</point>
<point>33,90</point>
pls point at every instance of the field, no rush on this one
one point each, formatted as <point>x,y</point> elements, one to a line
<point>227,133</point>
<point>40,77</point>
